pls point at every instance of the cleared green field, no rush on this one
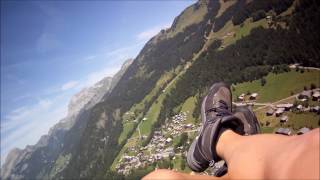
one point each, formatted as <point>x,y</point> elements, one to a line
<point>177,162</point>
<point>152,116</point>
<point>188,106</point>
<point>300,120</point>
<point>176,140</point>
<point>267,130</point>
<point>127,127</point>
<point>279,86</point>
<point>248,26</point>
<point>231,33</point>
<point>239,31</point>
<point>296,121</point>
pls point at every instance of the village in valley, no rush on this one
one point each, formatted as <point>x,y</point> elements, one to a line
<point>161,145</point>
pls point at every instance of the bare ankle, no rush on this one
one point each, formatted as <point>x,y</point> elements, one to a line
<point>226,144</point>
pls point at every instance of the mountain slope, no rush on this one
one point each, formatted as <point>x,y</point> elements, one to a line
<point>42,158</point>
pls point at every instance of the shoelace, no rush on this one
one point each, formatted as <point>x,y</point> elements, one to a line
<point>211,163</point>
<point>221,108</point>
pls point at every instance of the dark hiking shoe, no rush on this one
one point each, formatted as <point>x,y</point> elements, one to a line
<point>249,120</point>
<point>251,127</point>
<point>216,117</point>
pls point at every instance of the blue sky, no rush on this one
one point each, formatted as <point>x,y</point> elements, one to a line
<point>51,50</point>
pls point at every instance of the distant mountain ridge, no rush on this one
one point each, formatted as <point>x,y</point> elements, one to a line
<point>81,101</point>
<point>87,97</point>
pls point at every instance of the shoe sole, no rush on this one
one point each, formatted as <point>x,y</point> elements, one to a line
<point>192,163</point>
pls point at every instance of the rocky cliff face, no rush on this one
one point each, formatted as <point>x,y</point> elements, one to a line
<point>119,74</point>
<point>91,94</point>
<point>11,161</point>
<point>87,97</point>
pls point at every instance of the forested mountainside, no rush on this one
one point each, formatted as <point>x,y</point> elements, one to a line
<point>197,52</point>
<point>293,40</point>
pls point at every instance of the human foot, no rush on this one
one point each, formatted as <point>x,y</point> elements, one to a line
<point>216,117</point>
<point>250,125</point>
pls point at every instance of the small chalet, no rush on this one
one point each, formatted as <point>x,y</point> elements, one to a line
<point>315,109</point>
<point>284,119</point>
<point>241,97</point>
<point>316,96</point>
<point>269,19</point>
<point>293,66</point>
<point>157,133</point>
<point>253,96</point>
<point>169,140</point>
<point>283,131</point>
<point>304,95</point>
<point>286,106</point>
<point>188,126</point>
<point>279,111</point>
<point>303,130</point>
<point>270,112</point>
<point>299,107</point>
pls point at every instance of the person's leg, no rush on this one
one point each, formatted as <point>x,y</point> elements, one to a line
<point>266,156</point>
<point>270,156</point>
<point>164,174</point>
